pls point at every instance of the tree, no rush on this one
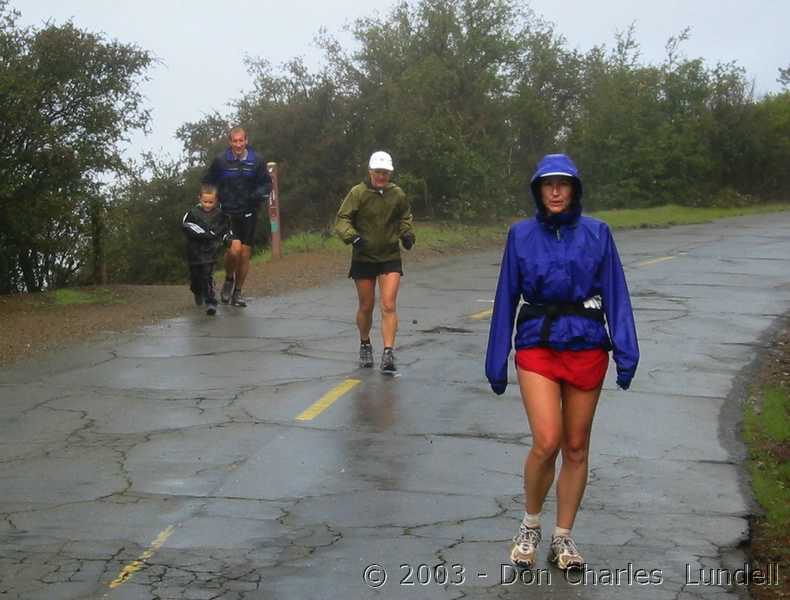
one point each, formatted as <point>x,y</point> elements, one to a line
<point>784,76</point>
<point>431,81</point>
<point>767,175</point>
<point>613,131</point>
<point>68,99</point>
<point>542,103</point>
<point>301,121</point>
<point>145,243</point>
<point>468,94</point>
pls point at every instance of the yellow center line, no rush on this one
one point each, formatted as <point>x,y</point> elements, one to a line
<point>482,314</point>
<point>654,261</point>
<point>132,568</point>
<point>327,400</point>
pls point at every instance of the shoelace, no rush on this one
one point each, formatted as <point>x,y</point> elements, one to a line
<point>527,536</point>
<point>567,546</point>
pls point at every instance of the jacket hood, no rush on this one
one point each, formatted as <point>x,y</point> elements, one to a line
<point>557,164</point>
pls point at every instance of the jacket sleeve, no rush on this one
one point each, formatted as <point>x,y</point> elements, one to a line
<point>214,173</point>
<point>406,220</point>
<point>500,335</point>
<point>619,315</point>
<point>344,222</point>
<point>194,230</point>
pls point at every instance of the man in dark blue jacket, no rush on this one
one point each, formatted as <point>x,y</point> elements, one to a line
<point>243,182</point>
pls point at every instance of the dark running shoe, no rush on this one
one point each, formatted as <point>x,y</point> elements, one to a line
<point>227,291</point>
<point>198,298</point>
<point>388,362</point>
<point>237,299</point>
<point>211,309</point>
<point>365,356</point>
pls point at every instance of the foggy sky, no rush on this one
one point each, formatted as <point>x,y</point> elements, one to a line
<point>201,45</point>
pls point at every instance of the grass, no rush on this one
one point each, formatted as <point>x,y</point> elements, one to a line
<point>767,434</point>
<point>449,236</point>
<point>672,214</point>
<point>69,296</point>
<point>456,235</point>
<point>766,431</point>
<point>434,235</point>
<point>440,236</point>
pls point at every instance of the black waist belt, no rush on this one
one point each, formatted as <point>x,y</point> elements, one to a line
<point>552,311</point>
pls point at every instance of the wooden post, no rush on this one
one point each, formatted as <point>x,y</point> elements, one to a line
<point>274,211</point>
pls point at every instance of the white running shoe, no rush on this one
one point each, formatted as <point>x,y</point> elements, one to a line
<point>525,546</point>
<point>565,554</point>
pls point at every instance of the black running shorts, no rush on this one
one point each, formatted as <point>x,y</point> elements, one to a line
<point>371,270</point>
<point>244,227</point>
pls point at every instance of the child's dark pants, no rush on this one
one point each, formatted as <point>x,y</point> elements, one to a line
<point>202,281</point>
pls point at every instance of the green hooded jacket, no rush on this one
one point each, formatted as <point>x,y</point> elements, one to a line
<point>380,217</point>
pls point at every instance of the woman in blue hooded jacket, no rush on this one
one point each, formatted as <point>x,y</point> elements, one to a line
<point>566,268</point>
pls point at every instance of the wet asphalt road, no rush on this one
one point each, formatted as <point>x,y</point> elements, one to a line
<point>171,463</point>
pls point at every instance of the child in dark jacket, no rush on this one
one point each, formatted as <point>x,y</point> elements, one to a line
<point>206,228</point>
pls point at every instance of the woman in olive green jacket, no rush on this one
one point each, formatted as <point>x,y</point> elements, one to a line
<point>375,218</point>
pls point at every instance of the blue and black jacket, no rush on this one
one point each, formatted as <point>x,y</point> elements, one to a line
<point>242,183</point>
<point>560,261</point>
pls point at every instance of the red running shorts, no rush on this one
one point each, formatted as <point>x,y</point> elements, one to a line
<point>583,369</point>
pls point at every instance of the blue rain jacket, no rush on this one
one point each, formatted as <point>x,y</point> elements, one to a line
<point>566,258</point>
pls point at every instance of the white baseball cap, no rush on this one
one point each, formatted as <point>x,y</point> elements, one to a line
<point>380,160</point>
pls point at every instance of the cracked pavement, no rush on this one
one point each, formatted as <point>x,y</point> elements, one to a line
<point>189,428</point>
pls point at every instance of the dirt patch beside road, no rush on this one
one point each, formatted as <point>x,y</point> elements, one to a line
<point>32,323</point>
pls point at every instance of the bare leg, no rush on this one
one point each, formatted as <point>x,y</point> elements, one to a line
<point>232,259</point>
<point>541,398</point>
<point>389,284</point>
<point>578,410</point>
<point>243,265</point>
<point>366,294</point>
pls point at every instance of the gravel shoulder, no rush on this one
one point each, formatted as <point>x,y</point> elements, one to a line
<point>32,324</point>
